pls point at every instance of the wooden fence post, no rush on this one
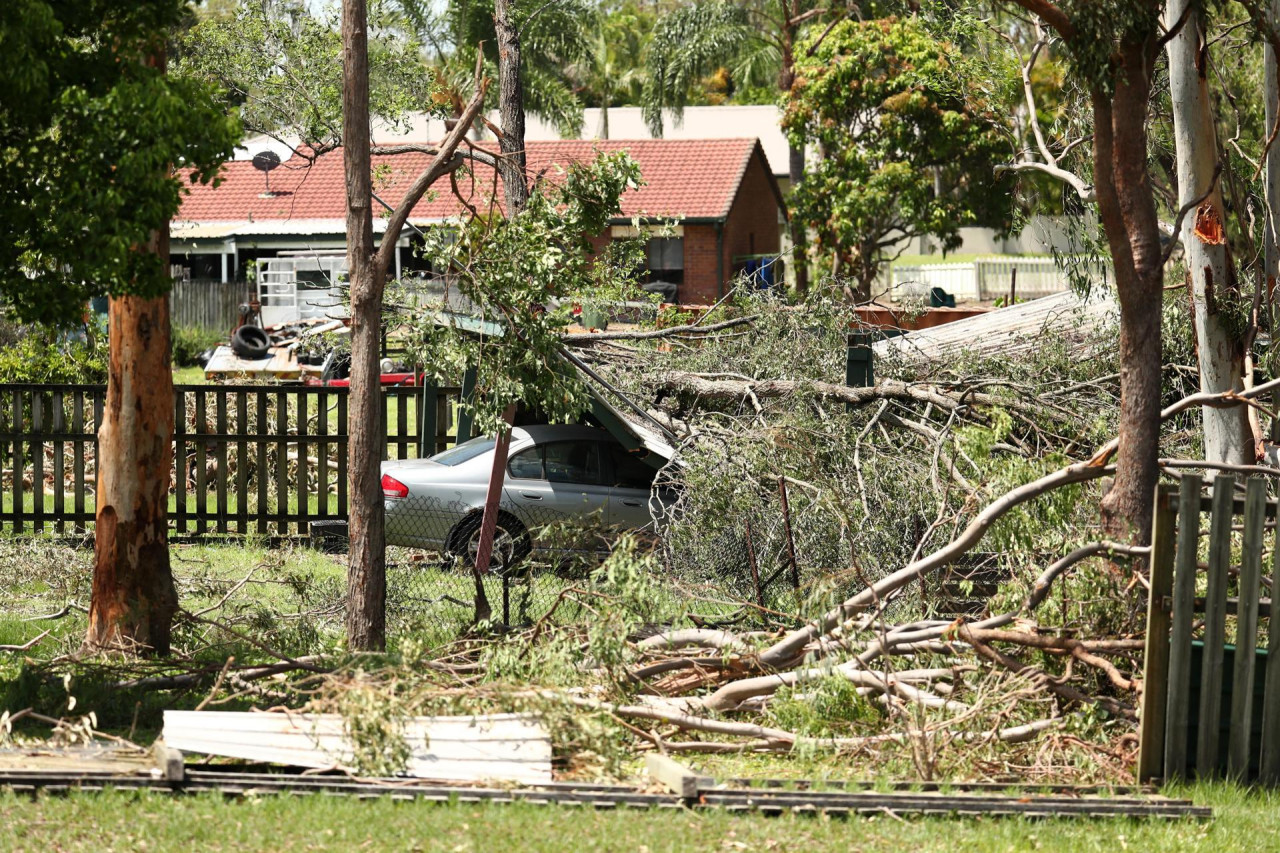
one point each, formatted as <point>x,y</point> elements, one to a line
<point>1155,673</point>
<point>1177,714</point>
<point>1215,618</point>
<point>1255,514</point>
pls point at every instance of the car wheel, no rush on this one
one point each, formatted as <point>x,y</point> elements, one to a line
<point>510,541</point>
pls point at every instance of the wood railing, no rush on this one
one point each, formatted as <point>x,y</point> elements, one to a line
<point>265,459</point>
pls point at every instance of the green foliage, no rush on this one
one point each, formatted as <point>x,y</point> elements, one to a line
<point>44,357</point>
<point>374,721</point>
<point>90,130</point>
<point>190,342</point>
<point>514,269</point>
<point>284,71</point>
<point>554,37</point>
<point>824,708</point>
<point>912,131</point>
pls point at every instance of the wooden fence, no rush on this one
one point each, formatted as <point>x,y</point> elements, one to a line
<point>206,303</point>
<point>1208,708</point>
<point>265,459</point>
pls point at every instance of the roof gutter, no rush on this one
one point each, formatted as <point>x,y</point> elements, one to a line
<point>662,220</point>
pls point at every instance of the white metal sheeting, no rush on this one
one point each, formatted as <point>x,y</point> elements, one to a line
<point>1006,330</point>
<point>511,747</point>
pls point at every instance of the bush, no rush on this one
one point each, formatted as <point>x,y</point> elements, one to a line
<point>41,357</point>
<point>191,342</point>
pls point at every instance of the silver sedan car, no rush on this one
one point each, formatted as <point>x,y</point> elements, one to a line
<point>557,477</point>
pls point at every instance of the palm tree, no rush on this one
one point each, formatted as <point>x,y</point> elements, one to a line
<point>554,36</point>
<point>754,40</point>
<point>611,69</point>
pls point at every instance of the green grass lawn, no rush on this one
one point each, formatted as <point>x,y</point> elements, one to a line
<point>133,821</point>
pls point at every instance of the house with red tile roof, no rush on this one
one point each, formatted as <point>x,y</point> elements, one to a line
<point>719,194</point>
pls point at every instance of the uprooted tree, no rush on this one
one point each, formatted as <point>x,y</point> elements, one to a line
<point>92,130</point>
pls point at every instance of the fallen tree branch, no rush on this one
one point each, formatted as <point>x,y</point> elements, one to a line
<point>586,339</point>
<point>703,638</point>
<point>1041,588</point>
<point>29,644</point>
<point>790,648</point>
<point>736,389</point>
<point>1063,645</point>
<point>1041,679</point>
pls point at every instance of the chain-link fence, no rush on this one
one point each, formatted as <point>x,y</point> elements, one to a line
<point>768,565</point>
<point>539,551</point>
<point>546,550</point>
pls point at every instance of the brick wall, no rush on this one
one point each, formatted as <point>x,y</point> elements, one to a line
<point>701,285</point>
<point>752,227</point>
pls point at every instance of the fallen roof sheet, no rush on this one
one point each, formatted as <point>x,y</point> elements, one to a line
<point>1006,330</point>
<point>513,747</point>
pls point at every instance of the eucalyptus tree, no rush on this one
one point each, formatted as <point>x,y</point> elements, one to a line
<point>1211,274</point>
<point>91,132</point>
<point>306,80</point>
<point>1112,48</point>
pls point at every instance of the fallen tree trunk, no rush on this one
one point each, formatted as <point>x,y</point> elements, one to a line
<point>887,389</point>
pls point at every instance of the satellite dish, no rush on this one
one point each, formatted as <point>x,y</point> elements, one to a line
<point>264,162</point>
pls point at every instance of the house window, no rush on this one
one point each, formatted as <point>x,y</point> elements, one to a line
<point>666,259</point>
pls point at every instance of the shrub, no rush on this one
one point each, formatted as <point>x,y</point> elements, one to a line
<point>191,342</point>
<point>43,356</point>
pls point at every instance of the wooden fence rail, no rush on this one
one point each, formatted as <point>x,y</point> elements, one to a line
<point>207,304</point>
<point>1210,708</point>
<point>265,459</point>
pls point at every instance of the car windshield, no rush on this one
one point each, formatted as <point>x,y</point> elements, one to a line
<point>467,450</point>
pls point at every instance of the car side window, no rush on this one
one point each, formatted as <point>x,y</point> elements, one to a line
<point>526,465</point>
<point>573,462</point>
<point>629,470</point>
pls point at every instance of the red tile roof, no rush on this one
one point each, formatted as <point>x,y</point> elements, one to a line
<point>684,179</point>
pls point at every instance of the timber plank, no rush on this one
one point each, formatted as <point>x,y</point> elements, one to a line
<point>1246,629</point>
<point>1215,621</point>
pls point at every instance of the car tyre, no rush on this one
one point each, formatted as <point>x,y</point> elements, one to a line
<point>511,542</point>
<point>250,342</point>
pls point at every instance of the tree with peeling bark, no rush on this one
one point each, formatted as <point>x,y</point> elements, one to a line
<point>367,266</point>
<point>1211,276</point>
<point>1113,48</point>
<point>91,130</point>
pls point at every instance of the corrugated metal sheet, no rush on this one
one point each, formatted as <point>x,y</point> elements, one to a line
<point>1006,330</point>
<point>512,747</point>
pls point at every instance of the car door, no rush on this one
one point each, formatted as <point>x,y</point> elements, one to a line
<point>560,481</point>
<point>632,482</point>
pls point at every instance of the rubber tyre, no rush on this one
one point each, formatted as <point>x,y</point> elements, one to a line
<point>466,533</point>
<point>250,342</point>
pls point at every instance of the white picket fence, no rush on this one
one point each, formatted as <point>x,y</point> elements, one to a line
<point>983,279</point>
